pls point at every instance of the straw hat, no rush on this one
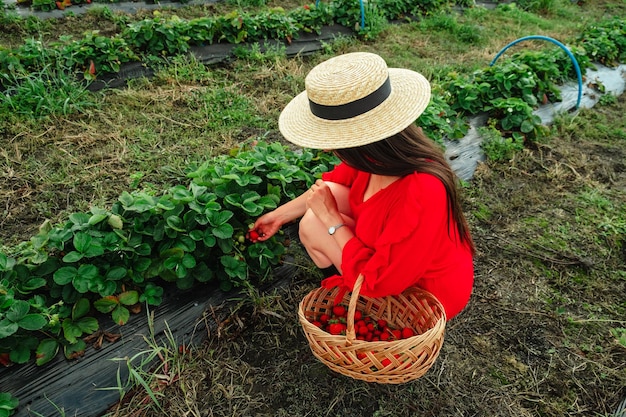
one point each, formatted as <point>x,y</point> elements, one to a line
<point>352,100</point>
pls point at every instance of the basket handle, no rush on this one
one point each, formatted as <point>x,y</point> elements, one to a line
<point>354,297</point>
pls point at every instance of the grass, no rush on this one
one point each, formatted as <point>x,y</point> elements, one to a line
<point>543,335</point>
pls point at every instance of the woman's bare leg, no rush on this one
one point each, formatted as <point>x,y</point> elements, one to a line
<point>321,246</point>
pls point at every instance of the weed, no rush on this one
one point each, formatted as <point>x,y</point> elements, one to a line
<point>48,92</point>
<point>497,148</point>
<point>607,100</point>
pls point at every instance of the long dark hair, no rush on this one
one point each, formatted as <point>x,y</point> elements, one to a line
<point>405,153</point>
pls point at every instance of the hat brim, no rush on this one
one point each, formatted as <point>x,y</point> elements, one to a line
<point>410,95</point>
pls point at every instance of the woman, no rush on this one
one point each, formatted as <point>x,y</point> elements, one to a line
<point>390,211</point>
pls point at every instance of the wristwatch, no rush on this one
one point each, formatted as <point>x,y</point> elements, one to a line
<point>333,229</point>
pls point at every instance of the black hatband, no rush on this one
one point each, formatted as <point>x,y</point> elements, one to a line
<point>354,108</point>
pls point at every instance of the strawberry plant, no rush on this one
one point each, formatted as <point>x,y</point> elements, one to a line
<point>439,121</point>
<point>159,36</point>
<point>605,41</point>
<point>44,5</point>
<point>106,53</point>
<point>515,117</point>
<point>54,287</point>
<point>311,17</point>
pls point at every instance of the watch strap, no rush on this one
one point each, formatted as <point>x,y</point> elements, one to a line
<point>333,229</point>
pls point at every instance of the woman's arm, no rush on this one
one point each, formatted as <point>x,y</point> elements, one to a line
<point>269,224</point>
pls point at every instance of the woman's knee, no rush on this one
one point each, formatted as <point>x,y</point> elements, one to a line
<point>309,226</point>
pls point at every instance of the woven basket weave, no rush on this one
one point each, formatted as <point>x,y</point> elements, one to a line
<point>407,359</point>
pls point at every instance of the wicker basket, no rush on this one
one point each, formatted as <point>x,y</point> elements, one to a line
<point>406,359</point>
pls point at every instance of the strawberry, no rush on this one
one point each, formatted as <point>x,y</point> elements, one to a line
<point>362,331</point>
<point>397,334</point>
<point>382,324</point>
<point>357,315</point>
<point>385,362</point>
<point>324,318</point>
<point>336,328</point>
<point>253,235</point>
<point>317,324</point>
<point>407,332</point>
<point>4,359</point>
<point>384,336</point>
<point>339,311</point>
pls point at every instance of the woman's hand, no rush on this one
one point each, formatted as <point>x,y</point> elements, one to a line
<point>321,201</point>
<point>267,226</point>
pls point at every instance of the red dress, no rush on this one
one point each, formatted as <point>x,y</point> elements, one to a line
<point>402,240</point>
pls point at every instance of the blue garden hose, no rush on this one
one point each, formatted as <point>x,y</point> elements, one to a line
<point>362,12</point>
<point>567,51</point>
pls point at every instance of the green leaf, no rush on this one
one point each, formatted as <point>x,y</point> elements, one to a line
<point>32,322</point>
<point>7,328</point>
<point>18,310</point>
<point>143,249</point>
<point>142,264</point>
<point>87,325</point>
<point>64,275</point>
<point>218,218</point>
<point>21,352</point>
<point>106,304</point>
<point>176,223</point>
<point>153,295</point>
<point>94,250</point>
<point>196,235</point>
<point>8,402</point>
<point>85,278</point>
<point>75,349</point>
<point>80,220</point>
<point>46,351</point>
<point>82,241</point>
<point>235,268</point>
<point>72,257</point>
<point>121,315</point>
<point>209,240</point>
<point>165,203</point>
<point>71,332</point>
<point>171,263</point>
<point>116,273</point>
<point>34,283</point>
<point>181,272</point>
<point>6,263</point>
<point>126,199</point>
<point>527,126</point>
<point>188,261</point>
<point>81,308</point>
<point>97,218</point>
<point>129,298</point>
<point>225,231</point>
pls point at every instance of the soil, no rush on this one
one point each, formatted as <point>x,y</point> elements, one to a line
<point>535,339</point>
